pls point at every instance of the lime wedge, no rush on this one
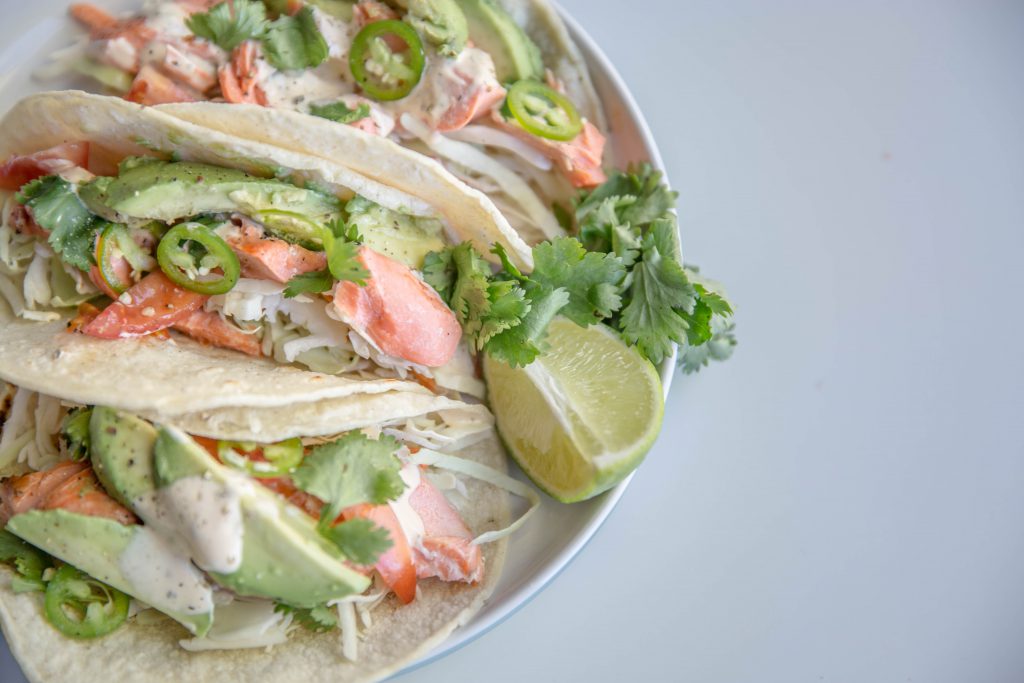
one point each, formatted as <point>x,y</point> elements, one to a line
<point>582,416</point>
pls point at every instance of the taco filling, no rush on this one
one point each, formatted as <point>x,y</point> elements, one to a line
<point>263,266</point>
<point>458,80</point>
<point>239,542</point>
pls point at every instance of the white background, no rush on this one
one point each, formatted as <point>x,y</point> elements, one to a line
<point>844,499</point>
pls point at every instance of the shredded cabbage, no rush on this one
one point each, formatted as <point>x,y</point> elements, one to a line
<point>476,160</point>
<point>242,624</point>
<point>447,430</point>
<point>492,137</point>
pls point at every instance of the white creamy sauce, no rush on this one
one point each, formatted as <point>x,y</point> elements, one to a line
<point>412,525</point>
<point>167,18</point>
<point>295,89</point>
<point>444,79</point>
<point>163,576</point>
<point>204,516</point>
<point>337,33</point>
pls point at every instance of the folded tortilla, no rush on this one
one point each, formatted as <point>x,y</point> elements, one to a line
<point>122,129</point>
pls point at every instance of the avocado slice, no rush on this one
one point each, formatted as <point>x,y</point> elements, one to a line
<point>151,189</point>
<point>122,453</point>
<point>440,22</point>
<point>283,556</point>
<point>516,57</point>
<point>132,559</point>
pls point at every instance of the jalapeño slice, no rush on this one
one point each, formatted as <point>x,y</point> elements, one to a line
<point>278,458</point>
<point>79,606</point>
<point>380,71</point>
<point>191,253</point>
<point>544,111</point>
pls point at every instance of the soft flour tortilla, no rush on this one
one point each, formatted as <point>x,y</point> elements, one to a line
<point>122,129</point>
<point>149,652</point>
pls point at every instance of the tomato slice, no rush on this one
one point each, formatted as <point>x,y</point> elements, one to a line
<point>20,169</point>
<point>395,566</point>
<point>156,303</point>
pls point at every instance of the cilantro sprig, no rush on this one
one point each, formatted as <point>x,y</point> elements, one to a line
<point>341,244</point>
<point>318,619</point>
<point>352,470</point>
<point>56,208</point>
<point>623,270</point>
<point>228,25</point>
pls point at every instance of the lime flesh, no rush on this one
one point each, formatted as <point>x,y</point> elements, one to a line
<point>581,417</point>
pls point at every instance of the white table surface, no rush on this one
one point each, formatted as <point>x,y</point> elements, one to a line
<point>843,500</point>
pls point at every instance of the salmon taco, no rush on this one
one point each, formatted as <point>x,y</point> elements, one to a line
<point>495,90</point>
<point>138,224</point>
<point>227,514</point>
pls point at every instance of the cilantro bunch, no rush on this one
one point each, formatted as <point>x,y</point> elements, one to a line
<point>623,270</point>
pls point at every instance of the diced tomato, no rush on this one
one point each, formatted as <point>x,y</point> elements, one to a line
<point>399,312</point>
<point>395,566</point>
<point>21,169</point>
<point>67,485</point>
<point>209,328</point>
<point>155,303</point>
<point>151,87</point>
<point>447,550</point>
<point>269,258</point>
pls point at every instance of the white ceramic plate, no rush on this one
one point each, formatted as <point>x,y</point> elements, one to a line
<point>33,31</point>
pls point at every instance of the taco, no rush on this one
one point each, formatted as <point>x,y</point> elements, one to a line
<point>178,527</point>
<point>495,90</point>
<point>153,225</point>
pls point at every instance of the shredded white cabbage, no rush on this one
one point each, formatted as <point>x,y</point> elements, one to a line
<point>492,137</point>
<point>29,436</point>
<point>243,624</point>
<point>485,474</point>
<point>476,160</point>
<point>447,430</point>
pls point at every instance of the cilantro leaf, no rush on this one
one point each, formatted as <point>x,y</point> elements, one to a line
<point>360,540</point>
<point>591,279</point>
<point>439,272</point>
<point>227,26</point>
<point>318,619</point>
<point>659,296</point>
<point>520,345</point>
<point>74,431</point>
<point>351,470</point>
<point>340,112</point>
<point>642,197</point>
<point>343,262</point>
<point>314,282</point>
<point>56,207</point>
<point>28,561</point>
<point>294,42</point>
<point>719,347</point>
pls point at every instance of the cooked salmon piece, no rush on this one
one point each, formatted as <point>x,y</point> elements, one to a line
<point>399,312</point>
<point>210,328</point>
<point>189,69</point>
<point>579,159</point>
<point>268,258</point>
<point>447,550</point>
<point>151,86</point>
<point>68,485</point>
